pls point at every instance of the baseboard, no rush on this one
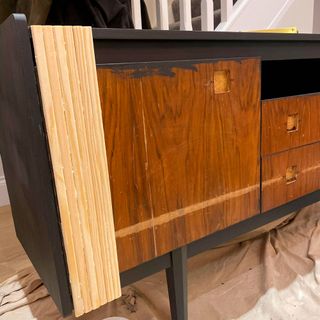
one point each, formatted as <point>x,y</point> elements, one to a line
<point>4,198</point>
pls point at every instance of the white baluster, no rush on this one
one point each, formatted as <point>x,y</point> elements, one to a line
<point>162,14</point>
<point>136,13</point>
<point>207,15</point>
<point>226,9</point>
<point>185,15</point>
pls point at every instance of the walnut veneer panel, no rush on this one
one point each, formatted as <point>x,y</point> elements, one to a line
<point>289,175</point>
<point>71,106</point>
<point>183,150</point>
<point>125,142</point>
<point>290,122</point>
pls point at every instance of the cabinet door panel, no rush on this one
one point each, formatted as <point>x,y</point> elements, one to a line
<point>183,150</point>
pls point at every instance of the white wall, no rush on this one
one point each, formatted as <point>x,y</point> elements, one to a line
<point>299,14</point>
<point>4,199</point>
<point>316,17</point>
<point>268,14</point>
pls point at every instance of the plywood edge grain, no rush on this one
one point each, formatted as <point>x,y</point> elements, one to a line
<point>69,90</point>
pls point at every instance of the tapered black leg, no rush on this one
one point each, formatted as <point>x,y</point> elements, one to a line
<point>178,284</point>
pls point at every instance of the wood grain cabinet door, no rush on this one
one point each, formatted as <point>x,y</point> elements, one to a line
<point>183,141</point>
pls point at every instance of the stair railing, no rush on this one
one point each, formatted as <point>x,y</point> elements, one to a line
<point>162,14</point>
<point>136,14</point>
<point>226,9</point>
<point>207,14</point>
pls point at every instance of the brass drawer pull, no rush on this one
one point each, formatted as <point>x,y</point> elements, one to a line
<point>293,123</point>
<point>221,81</point>
<point>291,174</point>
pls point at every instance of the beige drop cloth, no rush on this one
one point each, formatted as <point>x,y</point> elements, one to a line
<point>273,276</point>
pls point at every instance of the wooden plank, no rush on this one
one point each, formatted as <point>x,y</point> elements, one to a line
<point>289,175</point>
<point>278,113</point>
<point>184,160</point>
<point>71,106</point>
<point>26,162</point>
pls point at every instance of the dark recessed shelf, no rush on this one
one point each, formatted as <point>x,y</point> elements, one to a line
<point>285,78</point>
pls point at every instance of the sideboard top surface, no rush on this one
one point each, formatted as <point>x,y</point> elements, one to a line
<point>113,45</point>
<point>174,35</point>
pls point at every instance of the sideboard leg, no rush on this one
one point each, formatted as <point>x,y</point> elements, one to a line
<point>178,284</point>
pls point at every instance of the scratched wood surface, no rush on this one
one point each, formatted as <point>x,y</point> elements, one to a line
<point>71,106</point>
<point>183,151</point>
<point>278,134</point>
<point>289,175</point>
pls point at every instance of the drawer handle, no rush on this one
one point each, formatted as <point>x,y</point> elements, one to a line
<point>293,123</point>
<point>221,81</point>
<point>291,174</point>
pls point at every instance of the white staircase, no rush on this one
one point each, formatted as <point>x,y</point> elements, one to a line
<point>270,14</point>
<point>231,15</point>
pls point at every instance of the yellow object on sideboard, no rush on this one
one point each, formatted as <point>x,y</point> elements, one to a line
<point>279,30</point>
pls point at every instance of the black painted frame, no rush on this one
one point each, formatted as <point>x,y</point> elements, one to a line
<point>26,161</point>
<point>113,45</point>
<point>26,156</point>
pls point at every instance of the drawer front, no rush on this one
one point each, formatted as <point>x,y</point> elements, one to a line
<point>290,122</point>
<point>289,175</point>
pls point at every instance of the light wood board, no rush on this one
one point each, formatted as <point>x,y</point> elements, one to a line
<point>70,98</point>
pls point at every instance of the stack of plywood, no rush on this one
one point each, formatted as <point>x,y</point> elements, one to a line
<point>70,97</point>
